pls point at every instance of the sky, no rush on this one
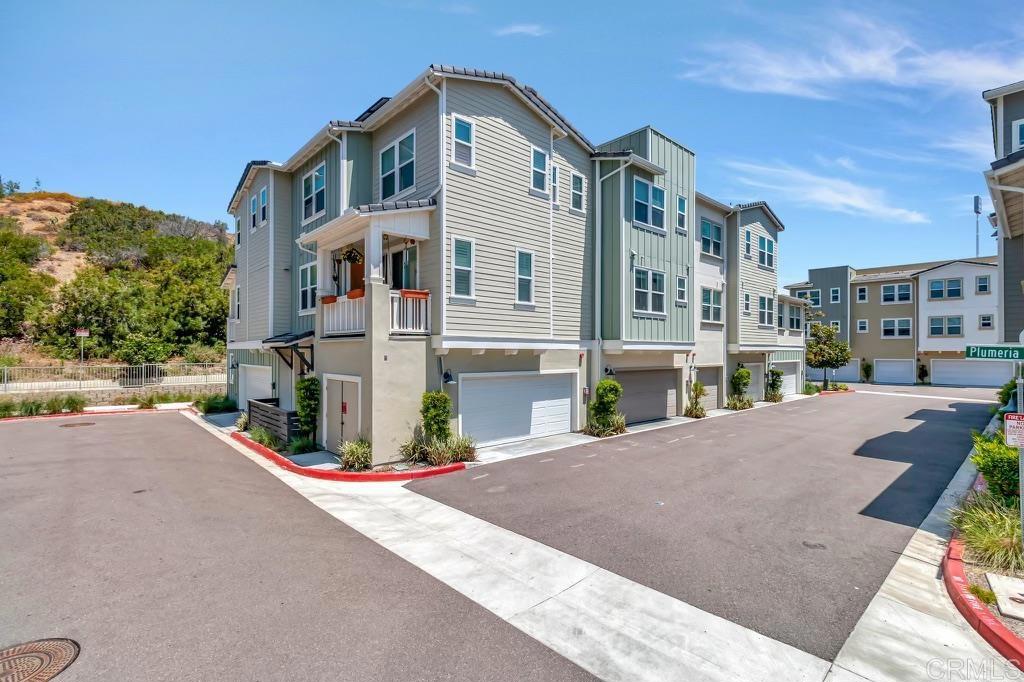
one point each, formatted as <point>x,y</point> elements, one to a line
<point>861,124</point>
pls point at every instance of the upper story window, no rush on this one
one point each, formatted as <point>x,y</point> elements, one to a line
<point>463,141</point>
<point>554,184</point>
<point>897,328</point>
<point>539,180</point>
<point>781,310</point>
<point>747,243</point>
<point>398,166</point>
<point>462,268</point>
<point>812,295</point>
<point>985,321</point>
<point>896,293</point>
<point>710,238</point>
<point>314,193</point>
<point>252,212</point>
<point>681,214</point>
<point>945,326</point>
<point>680,289</point>
<point>576,192</point>
<point>834,295</point>
<point>836,324</point>
<point>524,276</point>
<point>1018,135</point>
<point>710,305</point>
<point>236,304</point>
<point>263,205</point>
<point>238,230</point>
<point>862,326</point>
<point>746,303</point>
<point>939,289</point>
<point>648,291</point>
<point>307,287</point>
<point>983,284</point>
<point>766,252</point>
<point>765,310</point>
<point>648,204</point>
<point>862,294</point>
<point>794,317</point>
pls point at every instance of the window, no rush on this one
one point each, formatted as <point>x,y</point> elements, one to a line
<point>710,305</point>
<point>463,141</point>
<point>462,268</point>
<point>307,286</point>
<point>539,164</point>
<point>314,193</point>
<point>398,166</point>
<point>985,322</point>
<point>782,315</point>
<point>237,307</point>
<point>945,288</point>
<point>252,212</point>
<point>746,244</point>
<point>710,238</point>
<point>681,214</point>
<point>794,317</point>
<point>862,326</point>
<point>524,276</point>
<point>833,295</point>
<point>746,303</point>
<point>862,294</point>
<point>983,284</point>
<point>1018,135</point>
<point>814,296</point>
<point>945,326</point>
<point>765,310</point>
<point>896,328</point>
<point>576,192</point>
<point>238,230</point>
<point>896,293</point>
<point>554,184</point>
<point>766,252</point>
<point>263,205</point>
<point>648,291</point>
<point>648,204</point>
<point>835,324</point>
<point>680,289</point>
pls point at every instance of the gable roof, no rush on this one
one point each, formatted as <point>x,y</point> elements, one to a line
<point>965,261</point>
<point>767,209</point>
<point>1003,90</point>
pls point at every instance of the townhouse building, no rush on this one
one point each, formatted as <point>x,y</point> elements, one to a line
<point>1005,181</point>
<point>464,236</point>
<point>911,322</point>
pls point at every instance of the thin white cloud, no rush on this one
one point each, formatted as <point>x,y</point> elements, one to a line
<point>974,146</point>
<point>530,30</point>
<point>833,194</point>
<point>844,162</point>
<point>458,8</point>
<point>855,54</point>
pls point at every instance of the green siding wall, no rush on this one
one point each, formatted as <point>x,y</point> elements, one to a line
<point>248,357</point>
<point>787,356</point>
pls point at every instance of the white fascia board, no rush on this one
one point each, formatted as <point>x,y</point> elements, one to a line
<point>509,343</point>
<point>272,166</point>
<point>765,348</point>
<point>617,346</point>
<point>245,345</point>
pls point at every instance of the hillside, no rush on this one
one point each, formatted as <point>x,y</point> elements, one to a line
<point>41,214</point>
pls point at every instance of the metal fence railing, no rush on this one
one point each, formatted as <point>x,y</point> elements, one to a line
<point>100,377</point>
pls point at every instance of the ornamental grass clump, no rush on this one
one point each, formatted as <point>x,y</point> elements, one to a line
<point>356,455</point>
<point>54,405</point>
<point>30,408</point>
<point>694,408</point>
<point>990,531</point>
<point>74,403</point>
<point>264,437</point>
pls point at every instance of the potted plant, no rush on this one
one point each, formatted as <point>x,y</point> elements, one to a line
<point>352,255</point>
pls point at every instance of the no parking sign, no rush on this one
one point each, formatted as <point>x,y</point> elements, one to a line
<point>1013,427</point>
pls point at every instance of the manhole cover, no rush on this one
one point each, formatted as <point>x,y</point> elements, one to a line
<point>75,425</point>
<point>37,661</point>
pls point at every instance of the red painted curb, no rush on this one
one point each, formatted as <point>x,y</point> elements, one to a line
<point>80,414</point>
<point>976,613</point>
<point>350,476</point>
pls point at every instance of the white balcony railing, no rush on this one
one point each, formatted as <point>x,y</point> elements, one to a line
<point>345,316</point>
<point>410,312</point>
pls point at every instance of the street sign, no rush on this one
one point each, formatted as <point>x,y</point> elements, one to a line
<point>994,352</point>
<point>1013,425</point>
<point>81,331</point>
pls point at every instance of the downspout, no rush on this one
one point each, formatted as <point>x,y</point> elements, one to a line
<point>551,234</point>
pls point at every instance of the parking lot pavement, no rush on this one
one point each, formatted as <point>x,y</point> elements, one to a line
<point>962,393</point>
<point>166,554</point>
<point>785,520</point>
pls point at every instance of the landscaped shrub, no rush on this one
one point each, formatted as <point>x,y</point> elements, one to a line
<point>30,407</point>
<point>811,388</point>
<point>7,408</point>
<point>356,455</point>
<point>998,463</point>
<point>301,444</point>
<point>841,387</point>
<point>436,413</point>
<point>307,404</point>
<point>54,405</point>
<point>264,437</point>
<point>773,393</point>
<point>438,452</point>
<point>211,404</point>
<point>739,402</point>
<point>603,418</point>
<point>148,401</point>
<point>866,368</point>
<point>1007,390</point>
<point>74,403</point>
<point>694,408</point>
<point>990,531</point>
<point>242,423</point>
<point>740,381</point>
<point>615,425</point>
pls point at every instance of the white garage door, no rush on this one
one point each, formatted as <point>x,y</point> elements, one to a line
<point>790,376</point>
<point>894,371</point>
<point>498,409</point>
<point>851,372</point>
<point>254,383</point>
<point>971,372</point>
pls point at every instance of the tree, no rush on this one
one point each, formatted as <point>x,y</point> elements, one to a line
<point>825,351</point>
<point>10,187</point>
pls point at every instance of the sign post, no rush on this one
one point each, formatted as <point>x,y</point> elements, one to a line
<point>82,333</point>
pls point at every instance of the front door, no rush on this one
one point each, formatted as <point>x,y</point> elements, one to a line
<point>341,411</point>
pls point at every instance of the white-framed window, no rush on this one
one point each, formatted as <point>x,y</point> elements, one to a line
<point>648,291</point>
<point>812,295</point>
<point>897,293</point>
<point>766,252</point>
<point>554,184</point>
<point>951,325</point>
<point>746,303</point>
<point>680,289</point>
<point>238,230</point>
<point>236,304</point>
<point>710,304</point>
<point>463,266</point>
<point>862,294</point>
<point>986,321</point>
<point>539,166</point>
<point>710,238</point>
<point>398,166</point>
<point>835,324</point>
<point>900,327</point>
<point>939,289</point>
<point>1018,135</point>
<point>253,212</point>
<point>263,205</point>
<point>781,314</point>
<point>576,197</point>
<point>463,141</point>
<point>314,193</point>
<point>524,276</point>
<point>307,287</point>
<point>765,310</point>
<point>862,327</point>
<point>983,284</point>
<point>648,204</point>
<point>794,317</point>
<point>833,295</point>
<point>747,243</point>
<point>681,215</point>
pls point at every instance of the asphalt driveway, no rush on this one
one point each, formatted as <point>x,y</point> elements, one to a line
<point>168,555</point>
<point>785,519</point>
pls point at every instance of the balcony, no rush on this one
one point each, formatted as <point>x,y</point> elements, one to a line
<point>410,312</point>
<point>345,316</point>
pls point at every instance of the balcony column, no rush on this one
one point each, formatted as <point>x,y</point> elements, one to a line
<point>374,243</point>
<point>324,269</point>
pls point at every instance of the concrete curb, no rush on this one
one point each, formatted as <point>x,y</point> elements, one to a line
<point>81,414</point>
<point>349,476</point>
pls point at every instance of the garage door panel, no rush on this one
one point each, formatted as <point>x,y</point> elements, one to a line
<point>970,372</point>
<point>790,376</point>
<point>502,409</point>
<point>647,394</point>
<point>894,371</point>
<point>254,383</point>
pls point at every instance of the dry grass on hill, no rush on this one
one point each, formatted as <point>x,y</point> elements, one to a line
<point>41,213</point>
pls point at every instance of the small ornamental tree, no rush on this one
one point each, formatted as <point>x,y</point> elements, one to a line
<point>825,351</point>
<point>605,404</point>
<point>694,408</point>
<point>307,404</point>
<point>740,381</point>
<point>436,413</point>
